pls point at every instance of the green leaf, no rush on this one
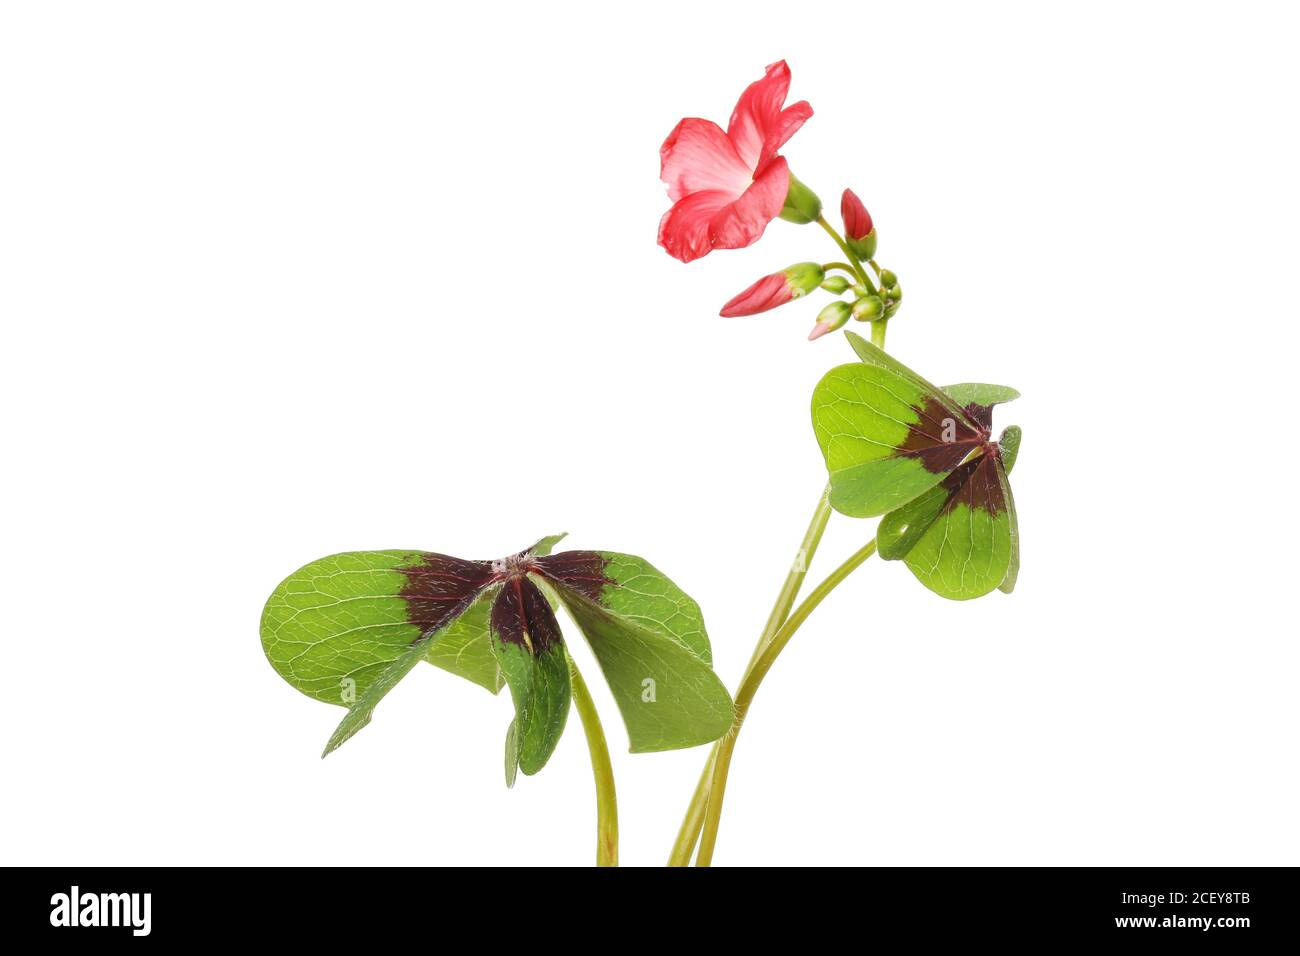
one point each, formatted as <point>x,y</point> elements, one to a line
<point>1010,445</point>
<point>884,438</point>
<point>530,650</point>
<point>956,398</point>
<point>544,546</point>
<point>648,637</point>
<point>512,753</point>
<point>465,647</point>
<point>967,549</point>
<point>360,713</point>
<point>978,393</point>
<point>640,592</point>
<point>333,626</point>
<point>977,495</point>
<point>902,528</point>
<point>878,357</point>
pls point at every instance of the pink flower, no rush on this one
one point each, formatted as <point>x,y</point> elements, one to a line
<point>777,289</point>
<point>727,186</point>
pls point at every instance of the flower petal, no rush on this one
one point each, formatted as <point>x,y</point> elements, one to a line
<point>767,293</point>
<point>684,229</point>
<point>758,112</point>
<point>787,124</point>
<point>698,156</point>
<point>742,222</point>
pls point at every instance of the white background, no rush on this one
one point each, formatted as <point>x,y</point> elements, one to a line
<point>280,280</point>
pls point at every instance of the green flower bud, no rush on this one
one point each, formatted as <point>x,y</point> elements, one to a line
<point>833,317</point>
<point>895,294</point>
<point>836,285</point>
<point>867,308</point>
<point>888,279</point>
<point>801,204</point>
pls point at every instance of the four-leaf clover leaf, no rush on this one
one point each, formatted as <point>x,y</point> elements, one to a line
<point>346,628</point>
<point>925,458</point>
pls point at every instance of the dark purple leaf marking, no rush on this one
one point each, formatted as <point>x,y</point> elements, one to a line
<point>521,615</point>
<point>975,483</point>
<point>941,440</point>
<point>440,587</point>
<point>981,415</point>
<point>581,571</point>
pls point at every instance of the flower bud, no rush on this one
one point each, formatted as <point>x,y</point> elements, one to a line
<point>859,230</point>
<point>888,279</point>
<point>868,307</point>
<point>777,289</point>
<point>801,204</point>
<point>895,293</point>
<point>833,317</point>
<point>836,285</point>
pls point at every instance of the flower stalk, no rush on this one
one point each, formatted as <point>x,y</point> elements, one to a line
<point>695,812</point>
<point>602,770</point>
<point>763,662</point>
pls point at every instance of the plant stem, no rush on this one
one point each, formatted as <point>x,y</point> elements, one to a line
<point>844,246</point>
<point>844,266</point>
<point>601,770</point>
<point>705,809</point>
<point>694,820</point>
<point>749,687</point>
<point>794,580</point>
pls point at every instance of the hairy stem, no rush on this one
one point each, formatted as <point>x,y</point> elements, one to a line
<point>602,771</point>
<point>749,687</point>
<point>694,820</point>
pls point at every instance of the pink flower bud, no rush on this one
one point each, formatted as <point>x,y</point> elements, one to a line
<point>857,221</point>
<point>777,289</point>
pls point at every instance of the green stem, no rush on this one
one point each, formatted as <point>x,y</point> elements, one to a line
<point>601,770</point>
<point>705,810</point>
<point>844,246</point>
<point>843,266</point>
<point>694,820</point>
<point>749,687</point>
<point>812,538</point>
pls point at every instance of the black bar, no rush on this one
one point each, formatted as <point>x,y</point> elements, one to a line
<point>342,906</point>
